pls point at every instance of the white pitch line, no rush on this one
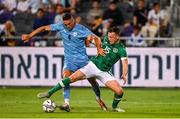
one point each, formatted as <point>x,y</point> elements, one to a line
<point>152,103</point>
<point>89,118</point>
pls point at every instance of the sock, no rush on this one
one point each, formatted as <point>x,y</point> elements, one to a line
<point>117,99</point>
<point>96,90</point>
<point>61,84</point>
<point>66,94</point>
<point>66,101</point>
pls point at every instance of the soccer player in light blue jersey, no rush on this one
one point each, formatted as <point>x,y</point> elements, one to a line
<point>74,37</point>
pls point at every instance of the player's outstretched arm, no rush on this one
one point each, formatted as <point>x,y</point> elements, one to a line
<point>125,70</point>
<point>27,37</point>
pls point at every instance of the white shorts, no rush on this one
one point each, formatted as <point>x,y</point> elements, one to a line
<point>90,70</point>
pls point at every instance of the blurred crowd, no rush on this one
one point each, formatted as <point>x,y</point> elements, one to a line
<point>137,19</point>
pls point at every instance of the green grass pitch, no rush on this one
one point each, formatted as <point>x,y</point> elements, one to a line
<point>138,103</point>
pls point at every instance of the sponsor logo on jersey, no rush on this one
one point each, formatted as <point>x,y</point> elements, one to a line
<point>64,30</point>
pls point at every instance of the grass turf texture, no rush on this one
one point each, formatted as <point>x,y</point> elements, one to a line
<point>138,102</point>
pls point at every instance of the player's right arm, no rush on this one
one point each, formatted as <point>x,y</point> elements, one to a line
<point>27,37</point>
<point>97,42</point>
<point>124,69</point>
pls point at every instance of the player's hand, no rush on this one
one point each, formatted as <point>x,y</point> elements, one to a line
<point>101,52</point>
<point>25,37</point>
<point>124,77</point>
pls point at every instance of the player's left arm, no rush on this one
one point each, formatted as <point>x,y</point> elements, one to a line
<point>124,69</point>
<point>97,42</point>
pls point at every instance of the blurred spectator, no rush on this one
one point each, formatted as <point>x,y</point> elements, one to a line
<point>1,2</point>
<point>127,7</point>
<point>106,25</point>
<point>39,21</point>
<point>154,25</point>
<point>45,7</point>
<point>2,40</point>
<point>5,15</point>
<point>140,15</point>
<point>136,38</point>
<point>156,15</point>
<point>69,5</point>
<point>47,2</point>
<point>35,5</point>
<point>150,3</point>
<point>8,31</point>
<point>97,26</point>
<point>10,4</point>
<point>114,14</point>
<point>78,19</point>
<point>23,6</point>
<point>127,29</point>
<point>59,13</point>
<point>96,11</point>
<point>51,14</point>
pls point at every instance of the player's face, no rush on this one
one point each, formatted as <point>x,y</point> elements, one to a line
<point>113,37</point>
<point>69,23</point>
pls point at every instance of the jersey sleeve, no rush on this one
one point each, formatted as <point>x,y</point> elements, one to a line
<point>123,53</point>
<point>56,27</point>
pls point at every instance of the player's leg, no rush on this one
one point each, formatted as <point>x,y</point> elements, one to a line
<point>115,87</point>
<point>66,93</point>
<point>78,75</point>
<point>96,89</point>
<point>86,72</point>
<point>109,80</point>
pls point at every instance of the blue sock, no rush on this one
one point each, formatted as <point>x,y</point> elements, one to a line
<point>66,94</point>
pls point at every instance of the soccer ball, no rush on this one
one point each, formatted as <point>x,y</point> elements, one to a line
<point>49,106</point>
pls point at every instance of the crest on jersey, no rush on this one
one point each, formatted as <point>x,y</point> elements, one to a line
<point>115,50</point>
<point>74,33</point>
<point>64,30</point>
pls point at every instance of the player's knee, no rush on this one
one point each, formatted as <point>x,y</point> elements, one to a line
<point>73,78</point>
<point>66,74</point>
<point>119,91</point>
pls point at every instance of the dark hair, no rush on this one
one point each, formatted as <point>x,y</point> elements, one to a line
<point>138,27</point>
<point>141,1</point>
<point>67,16</point>
<point>155,4</point>
<point>40,10</point>
<point>115,29</point>
<point>112,2</point>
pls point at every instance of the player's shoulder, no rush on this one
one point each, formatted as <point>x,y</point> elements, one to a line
<point>121,46</point>
<point>59,25</point>
<point>80,26</point>
<point>105,38</point>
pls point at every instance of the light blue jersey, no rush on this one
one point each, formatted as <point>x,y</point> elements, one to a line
<point>74,45</point>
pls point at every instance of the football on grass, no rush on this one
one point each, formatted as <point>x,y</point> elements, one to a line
<point>49,106</point>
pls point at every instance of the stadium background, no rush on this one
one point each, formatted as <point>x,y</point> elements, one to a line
<point>153,48</point>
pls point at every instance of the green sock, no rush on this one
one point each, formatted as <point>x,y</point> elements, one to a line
<point>66,81</point>
<point>117,99</point>
<point>61,84</point>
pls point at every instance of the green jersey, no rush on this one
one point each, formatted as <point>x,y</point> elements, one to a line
<point>114,52</point>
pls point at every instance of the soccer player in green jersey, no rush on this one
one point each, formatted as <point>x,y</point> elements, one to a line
<point>100,66</point>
